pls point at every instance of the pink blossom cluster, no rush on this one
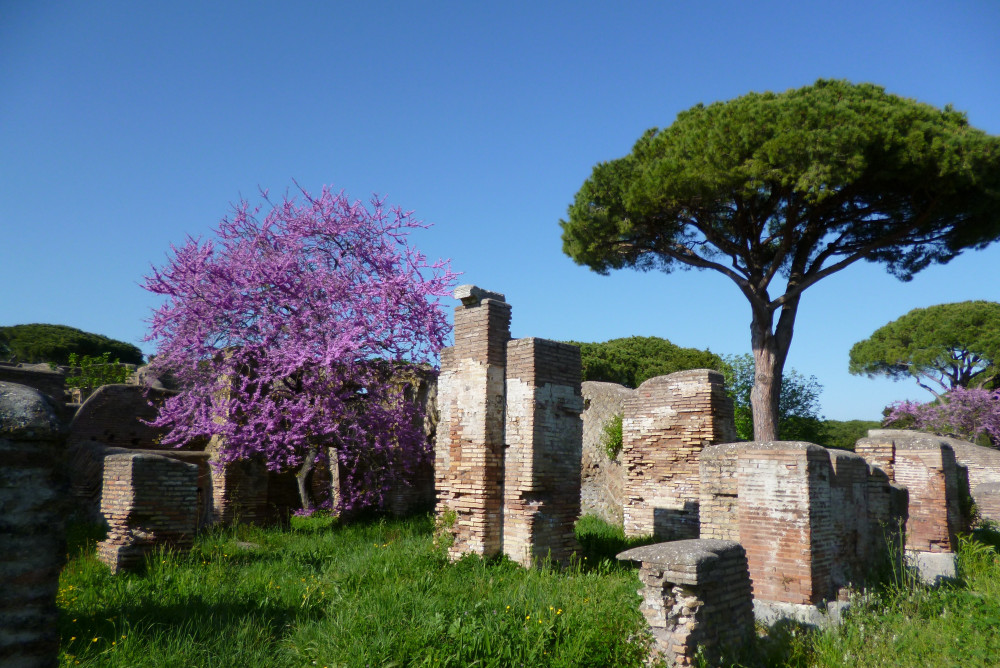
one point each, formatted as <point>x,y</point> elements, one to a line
<point>961,412</point>
<point>284,331</point>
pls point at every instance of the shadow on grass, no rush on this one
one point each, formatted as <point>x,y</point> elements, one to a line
<point>602,542</point>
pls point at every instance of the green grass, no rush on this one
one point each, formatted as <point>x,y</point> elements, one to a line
<point>365,594</point>
<point>377,593</point>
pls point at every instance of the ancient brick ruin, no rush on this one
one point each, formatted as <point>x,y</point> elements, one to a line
<point>696,595</point>
<point>149,502</point>
<point>523,395</point>
<point>667,423</point>
<point>468,459</point>
<point>542,464</point>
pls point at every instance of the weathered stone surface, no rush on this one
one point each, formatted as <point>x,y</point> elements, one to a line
<point>32,530</point>
<point>40,377</point>
<point>602,490</point>
<point>696,595</point>
<point>667,424</point>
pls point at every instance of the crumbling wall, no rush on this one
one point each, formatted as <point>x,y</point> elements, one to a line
<point>32,530</point>
<point>544,445</point>
<point>602,488</point>
<point>696,595</point>
<point>813,521</point>
<point>148,501</point>
<point>666,425</point>
<point>468,465</point>
<point>926,466</point>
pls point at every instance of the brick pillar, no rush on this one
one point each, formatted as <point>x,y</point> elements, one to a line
<point>148,501</point>
<point>240,493</point>
<point>696,593</point>
<point>468,459</point>
<point>544,447</point>
<point>666,425</point>
<point>785,520</point>
<point>852,542</point>
<point>33,495</point>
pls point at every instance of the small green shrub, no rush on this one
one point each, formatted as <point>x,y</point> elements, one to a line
<point>96,371</point>
<point>612,439</point>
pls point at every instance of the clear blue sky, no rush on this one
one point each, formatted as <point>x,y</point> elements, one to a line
<point>125,126</point>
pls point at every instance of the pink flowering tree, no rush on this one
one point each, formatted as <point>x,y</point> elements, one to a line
<point>284,333</point>
<point>964,413</point>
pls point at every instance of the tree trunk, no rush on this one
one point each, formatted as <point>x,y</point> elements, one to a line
<point>770,349</point>
<point>303,478</point>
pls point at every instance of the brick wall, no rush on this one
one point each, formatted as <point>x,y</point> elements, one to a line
<point>48,382</point>
<point>468,465</point>
<point>696,595</point>
<point>544,445</point>
<point>718,510</point>
<point>785,520</point>
<point>987,497</point>
<point>32,530</point>
<point>926,466</point>
<point>148,501</point>
<point>666,425</point>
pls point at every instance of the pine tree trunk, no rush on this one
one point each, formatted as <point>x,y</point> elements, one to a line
<point>770,349</point>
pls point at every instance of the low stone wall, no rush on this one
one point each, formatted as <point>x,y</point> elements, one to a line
<point>602,488</point>
<point>32,530</point>
<point>148,501</point>
<point>696,594</point>
<point>667,424</point>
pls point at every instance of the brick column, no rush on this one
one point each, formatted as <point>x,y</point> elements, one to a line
<point>719,505</point>
<point>33,495</point>
<point>666,425</point>
<point>148,501</point>
<point>544,446</point>
<point>785,520</point>
<point>468,459</point>
<point>696,593</point>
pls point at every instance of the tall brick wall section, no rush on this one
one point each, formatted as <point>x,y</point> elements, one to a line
<point>852,527</point>
<point>32,531</point>
<point>602,488</point>
<point>696,595</point>
<point>926,466</point>
<point>666,426</point>
<point>786,523</point>
<point>544,435</point>
<point>468,466</point>
<point>148,501</point>
<point>718,510</point>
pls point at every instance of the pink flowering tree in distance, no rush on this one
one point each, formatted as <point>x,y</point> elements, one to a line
<point>284,333</point>
<point>967,413</point>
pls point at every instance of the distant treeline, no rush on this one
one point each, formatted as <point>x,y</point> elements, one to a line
<point>55,343</point>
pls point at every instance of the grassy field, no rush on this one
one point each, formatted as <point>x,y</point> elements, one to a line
<point>378,594</point>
